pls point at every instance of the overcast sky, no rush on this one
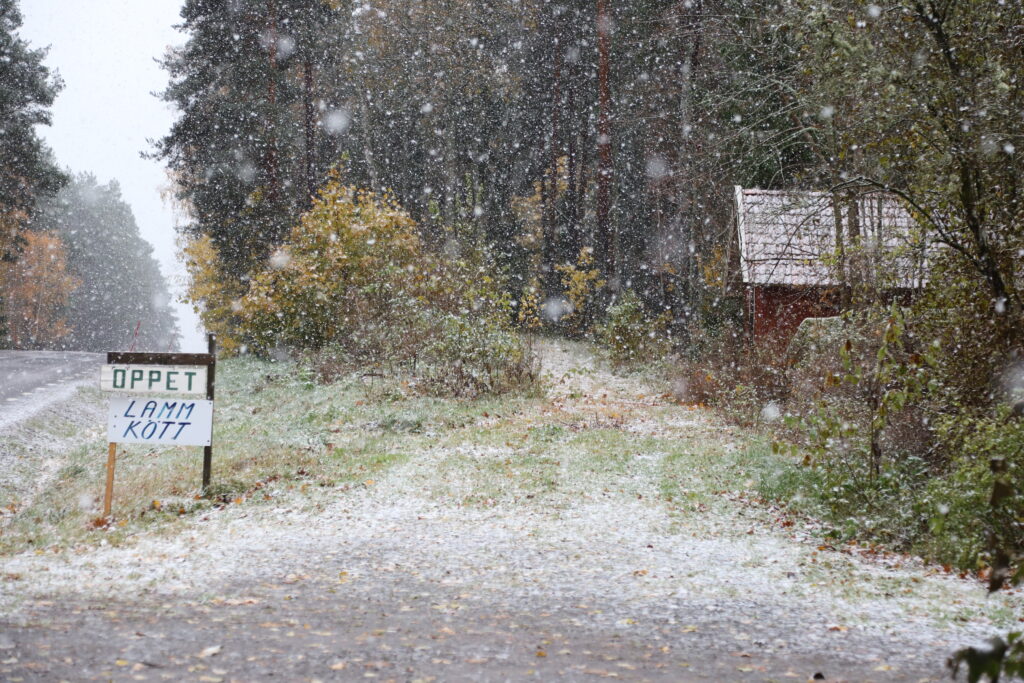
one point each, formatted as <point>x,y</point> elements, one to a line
<point>105,50</point>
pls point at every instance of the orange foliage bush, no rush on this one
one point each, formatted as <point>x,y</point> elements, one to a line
<point>36,290</point>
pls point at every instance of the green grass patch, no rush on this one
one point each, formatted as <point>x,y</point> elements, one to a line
<point>696,473</point>
<point>485,477</point>
<point>276,430</point>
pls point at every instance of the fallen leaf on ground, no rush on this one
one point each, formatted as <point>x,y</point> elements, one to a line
<point>210,651</point>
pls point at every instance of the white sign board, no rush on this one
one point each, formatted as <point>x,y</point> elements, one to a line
<point>169,422</point>
<point>154,379</point>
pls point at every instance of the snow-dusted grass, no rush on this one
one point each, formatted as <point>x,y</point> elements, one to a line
<point>47,443</point>
<point>603,493</point>
<point>276,431</point>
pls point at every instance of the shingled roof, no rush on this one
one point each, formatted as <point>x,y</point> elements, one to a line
<point>789,238</point>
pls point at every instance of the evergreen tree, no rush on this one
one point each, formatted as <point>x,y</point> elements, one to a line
<point>244,152</point>
<point>27,90</point>
<point>120,286</point>
<point>27,169</point>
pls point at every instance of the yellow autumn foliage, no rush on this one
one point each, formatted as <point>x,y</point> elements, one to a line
<point>528,315</point>
<point>37,287</point>
<point>213,295</point>
<point>353,285</point>
<point>582,282</point>
<point>339,269</point>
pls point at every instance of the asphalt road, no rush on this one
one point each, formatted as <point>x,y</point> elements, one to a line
<point>23,373</point>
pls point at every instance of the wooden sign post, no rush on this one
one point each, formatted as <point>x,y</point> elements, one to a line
<point>160,421</point>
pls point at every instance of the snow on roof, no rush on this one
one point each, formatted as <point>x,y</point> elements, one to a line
<point>789,238</point>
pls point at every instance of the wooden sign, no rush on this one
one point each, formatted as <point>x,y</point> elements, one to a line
<point>159,421</point>
<point>168,422</point>
<point>154,379</point>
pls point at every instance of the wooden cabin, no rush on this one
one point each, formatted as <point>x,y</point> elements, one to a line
<point>803,253</point>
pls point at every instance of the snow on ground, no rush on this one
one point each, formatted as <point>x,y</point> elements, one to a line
<point>602,539</point>
<point>40,388</point>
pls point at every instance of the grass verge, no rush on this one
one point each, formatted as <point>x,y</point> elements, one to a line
<point>276,430</point>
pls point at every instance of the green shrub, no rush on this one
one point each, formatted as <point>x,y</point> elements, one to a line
<point>967,522</point>
<point>631,334</point>
<point>480,356</point>
<point>902,459</point>
<point>353,288</point>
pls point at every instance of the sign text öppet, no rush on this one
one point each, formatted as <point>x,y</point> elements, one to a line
<point>155,379</point>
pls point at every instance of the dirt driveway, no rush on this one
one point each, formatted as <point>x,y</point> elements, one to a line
<point>632,555</point>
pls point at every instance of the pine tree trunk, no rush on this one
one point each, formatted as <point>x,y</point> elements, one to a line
<point>310,126</point>
<point>604,239</point>
<point>572,191</point>
<point>688,17</point>
<point>273,193</point>
<point>549,213</point>
<point>368,158</point>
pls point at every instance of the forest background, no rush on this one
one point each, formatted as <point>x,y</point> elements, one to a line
<point>74,271</point>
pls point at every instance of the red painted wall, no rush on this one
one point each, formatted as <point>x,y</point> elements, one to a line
<point>776,312</point>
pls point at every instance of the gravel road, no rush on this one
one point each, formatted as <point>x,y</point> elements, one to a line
<point>398,579</point>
